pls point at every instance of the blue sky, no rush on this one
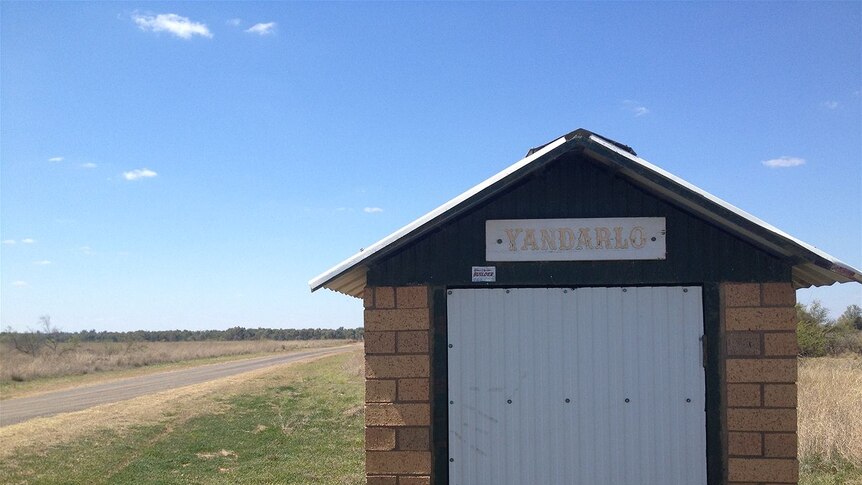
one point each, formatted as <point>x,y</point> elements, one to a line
<point>193,165</point>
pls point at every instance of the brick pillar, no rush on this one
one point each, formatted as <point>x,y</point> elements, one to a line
<point>759,322</point>
<point>397,399</point>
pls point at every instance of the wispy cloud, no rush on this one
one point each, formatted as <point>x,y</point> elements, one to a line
<point>28,240</point>
<point>262,28</point>
<point>8,242</point>
<point>139,173</point>
<point>831,104</point>
<point>635,108</point>
<point>173,24</point>
<point>234,22</point>
<point>86,250</point>
<point>784,162</point>
<point>56,159</point>
<point>89,165</point>
<point>43,262</point>
<point>372,210</point>
<point>20,284</point>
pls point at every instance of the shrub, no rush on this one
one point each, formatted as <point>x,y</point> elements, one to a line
<point>811,339</point>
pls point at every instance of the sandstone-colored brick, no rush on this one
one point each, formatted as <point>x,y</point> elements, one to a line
<point>744,444</point>
<point>414,480</point>
<point>779,395</point>
<point>397,319</point>
<point>382,480</point>
<point>412,296</point>
<point>743,395</point>
<point>413,342</point>
<point>384,297</point>
<point>760,370</point>
<point>368,297</point>
<point>741,294</point>
<point>779,294</point>
<point>414,439</point>
<point>380,390</point>
<point>413,390</point>
<point>388,366</point>
<point>751,319</point>
<point>389,414</point>
<point>743,343</point>
<point>379,342</point>
<point>762,469</point>
<point>778,344</point>
<point>746,419</point>
<point>781,445</point>
<point>379,439</point>
<point>398,462</point>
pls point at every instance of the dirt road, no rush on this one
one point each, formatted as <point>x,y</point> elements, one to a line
<point>21,409</point>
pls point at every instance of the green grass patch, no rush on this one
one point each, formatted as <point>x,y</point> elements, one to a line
<point>815,470</point>
<point>302,424</point>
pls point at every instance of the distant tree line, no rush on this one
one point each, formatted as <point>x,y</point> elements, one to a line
<point>47,335</point>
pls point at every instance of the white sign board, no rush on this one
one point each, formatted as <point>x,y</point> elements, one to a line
<point>602,239</point>
<point>484,274</point>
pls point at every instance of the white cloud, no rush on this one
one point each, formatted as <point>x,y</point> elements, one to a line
<point>262,29</point>
<point>172,23</point>
<point>829,104</point>
<point>636,108</point>
<point>9,241</point>
<point>783,162</point>
<point>234,22</point>
<point>20,284</point>
<point>87,250</point>
<point>139,173</point>
<point>89,165</point>
<point>43,262</point>
<point>56,159</point>
<point>28,241</point>
<point>372,210</point>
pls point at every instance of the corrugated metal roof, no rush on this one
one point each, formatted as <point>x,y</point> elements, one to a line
<point>811,266</point>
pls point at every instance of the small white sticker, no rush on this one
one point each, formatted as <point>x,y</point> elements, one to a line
<point>484,274</point>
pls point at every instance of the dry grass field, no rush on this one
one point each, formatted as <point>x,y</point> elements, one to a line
<point>830,420</point>
<point>95,357</point>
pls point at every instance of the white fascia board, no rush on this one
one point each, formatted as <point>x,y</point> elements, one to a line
<point>361,256</point>
<point>730,207</point>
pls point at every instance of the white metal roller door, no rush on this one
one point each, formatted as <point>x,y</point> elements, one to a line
<point>628,360</point>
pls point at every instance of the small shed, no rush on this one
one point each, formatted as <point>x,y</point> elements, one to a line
<point>582,317</point>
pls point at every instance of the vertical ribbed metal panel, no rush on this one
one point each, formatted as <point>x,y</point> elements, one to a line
<point>517,355</point>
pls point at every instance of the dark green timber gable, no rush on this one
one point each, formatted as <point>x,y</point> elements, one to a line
<point>575,186</point>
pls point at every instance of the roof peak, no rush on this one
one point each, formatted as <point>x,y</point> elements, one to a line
<point>811,266</point>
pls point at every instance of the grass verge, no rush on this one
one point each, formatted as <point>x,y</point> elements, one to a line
<point>11,389</point>
<point>300,423</point>
<point>814,470</point>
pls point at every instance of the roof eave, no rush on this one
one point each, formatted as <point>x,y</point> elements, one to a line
<point>727,216</point>
<point>450,210</point>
